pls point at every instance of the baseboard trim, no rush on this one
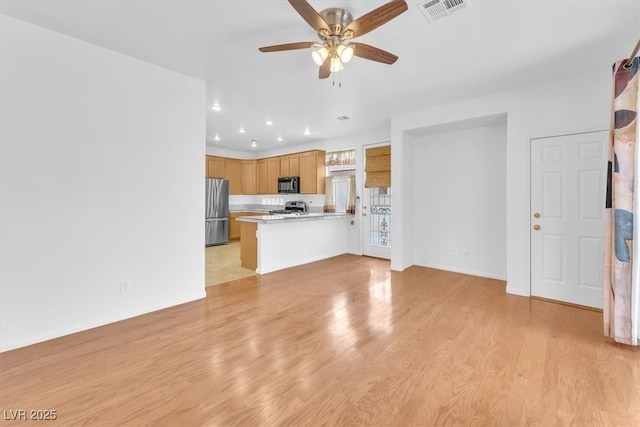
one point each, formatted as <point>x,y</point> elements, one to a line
<point>13,345</point>
<point>465,271</point>
<point>570,304</point>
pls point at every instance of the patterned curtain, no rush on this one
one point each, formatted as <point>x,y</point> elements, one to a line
<point>344,157</point>
<point>329,195</point>
<point>351,194</point>
<point>621,287</point>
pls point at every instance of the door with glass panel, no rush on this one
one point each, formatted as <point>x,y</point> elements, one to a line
<point>376,202</point>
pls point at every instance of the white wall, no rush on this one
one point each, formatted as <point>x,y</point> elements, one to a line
<point>578,104</point>
<point>459,211</point>
<point>101,181</point>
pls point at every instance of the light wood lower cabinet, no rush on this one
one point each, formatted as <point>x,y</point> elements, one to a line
<point>234,226</point>
<point>248,245</point>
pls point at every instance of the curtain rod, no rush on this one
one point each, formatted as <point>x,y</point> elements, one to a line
<point>628,62</point>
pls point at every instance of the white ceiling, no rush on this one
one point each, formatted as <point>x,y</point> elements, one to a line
<point>490,46</point>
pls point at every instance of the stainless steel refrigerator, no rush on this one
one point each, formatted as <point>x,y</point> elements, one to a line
<point>217,212</point>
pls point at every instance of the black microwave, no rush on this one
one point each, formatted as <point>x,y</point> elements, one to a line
<point>289,184</point>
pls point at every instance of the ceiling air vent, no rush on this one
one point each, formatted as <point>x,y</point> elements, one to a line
<point>436,9</point>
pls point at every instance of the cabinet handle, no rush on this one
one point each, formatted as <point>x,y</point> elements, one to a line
<point>536,227</point>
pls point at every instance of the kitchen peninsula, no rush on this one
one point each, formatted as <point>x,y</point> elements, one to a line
<point>274,242</point>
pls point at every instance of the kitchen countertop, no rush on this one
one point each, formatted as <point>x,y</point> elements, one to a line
<point>266,219</point>
<point>233,209</point>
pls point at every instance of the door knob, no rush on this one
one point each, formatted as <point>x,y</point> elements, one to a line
<point>536,227</point>
<point>536,215</point>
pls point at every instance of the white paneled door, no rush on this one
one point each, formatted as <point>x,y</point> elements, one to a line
<point>568,187</point>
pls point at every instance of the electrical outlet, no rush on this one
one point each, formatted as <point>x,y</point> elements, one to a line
<point>125,286</point>
<point>454,252</point>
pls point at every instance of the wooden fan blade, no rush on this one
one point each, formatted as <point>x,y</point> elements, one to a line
<point>373,53</point>
<point>325,68</point>
<point>288,46</point>
<point>309,14</point>
<point>377,17</point>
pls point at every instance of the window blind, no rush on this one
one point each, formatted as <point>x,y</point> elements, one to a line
<point>378,167</point>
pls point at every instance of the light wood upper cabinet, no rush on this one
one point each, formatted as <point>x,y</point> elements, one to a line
<point>290,165</point>
<point>233,172</point>
<point>312,172</point>
<point>294,164</point>
<point>261,176</point>
<point>284,166</point>
<point>215,167</point>
<point>263,179</point>
<point>249,177</point>
<point>273,172</point>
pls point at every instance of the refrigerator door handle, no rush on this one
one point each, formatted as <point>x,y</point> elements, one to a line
<point>216,219</point>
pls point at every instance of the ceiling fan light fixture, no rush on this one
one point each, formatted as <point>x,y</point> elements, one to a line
<point>345,52</point>
<point>336,28</point>
<point>336,65</point>
<point>320,55</point>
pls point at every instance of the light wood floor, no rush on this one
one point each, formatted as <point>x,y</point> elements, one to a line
<point>338,342</point>
<point>222,264</point>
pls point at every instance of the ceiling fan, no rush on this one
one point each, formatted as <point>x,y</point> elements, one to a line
<point>336,28</point>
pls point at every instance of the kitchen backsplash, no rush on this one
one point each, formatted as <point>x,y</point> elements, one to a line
<point>315,202</point>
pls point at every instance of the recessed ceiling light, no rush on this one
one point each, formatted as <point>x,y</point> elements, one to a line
<point>253,143</point>
<point>241,130</point>
<point>216,107</point>
<point>269,122</point>
<point>279,138</point>
<point>306,131</point>
<point>216,138</point>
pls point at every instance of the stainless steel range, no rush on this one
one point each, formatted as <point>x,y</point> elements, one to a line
<point>295,207</point>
